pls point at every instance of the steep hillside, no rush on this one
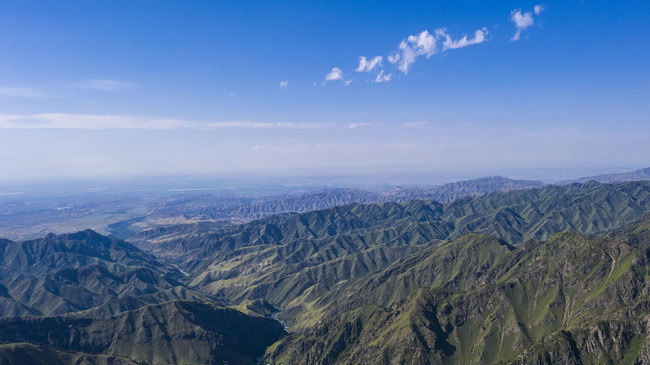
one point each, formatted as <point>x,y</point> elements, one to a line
<point>552,274</point>
<point>153,240</point>
<point>178,332</point>
<point>83,271</point>
<point>86,298</point>
<point>469,188</point>
<point>573,299</point>
<point>299,203</point>
<point>296,262</point>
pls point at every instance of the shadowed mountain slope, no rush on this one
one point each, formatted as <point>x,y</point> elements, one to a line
<point>168,333</point>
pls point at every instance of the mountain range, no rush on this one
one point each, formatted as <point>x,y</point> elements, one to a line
<point>87,298</point>
<point>176,332</point>
<point>239,213</point>
<point>128,215</point>
<point>637,175</point>
<point>549,274</point>
<point>573,299</point>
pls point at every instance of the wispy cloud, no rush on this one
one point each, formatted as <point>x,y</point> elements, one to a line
<point>383,77</point>
<point>105,85</point>
<point>410,48</point>
<point>263,125</point>
<point>283,84</point>
<point>448,43</point>
<point>88,122</point>
<point>106,122</point>
<point>427,44</point>
<point>12,193</point>
<point>21,92</point>
<point>523,20</point>
<point>367,66</point>
<point>336,75</point>
<point>361,125</point>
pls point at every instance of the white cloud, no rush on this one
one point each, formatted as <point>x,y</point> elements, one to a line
<point>284,84</point>
<point>448,43</point>
<point>413,46</point>
<point>335,74</point>
<point>538,9</point>
<point>87,121</point>
<point>407,57</point>
<point>522,21</point>
<point>106,85</point>
<point>21,92</point>
<point>427,44</point>
<point>424,43</point>
<point>383,77</point>
<point>367,66</point>
<point>393,57</point>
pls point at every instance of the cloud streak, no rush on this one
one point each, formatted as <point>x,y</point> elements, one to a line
<point>117,122</point>
<point>448,43</point>
<point>21,92</point>
<point>105,85</point>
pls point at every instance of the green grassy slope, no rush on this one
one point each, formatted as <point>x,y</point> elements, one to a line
<point>573,299</point>
<point>84,271</point>
<point>297,261</point>
<point>555,274</point>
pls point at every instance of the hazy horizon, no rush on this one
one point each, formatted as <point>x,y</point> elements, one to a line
<point>272,182</point>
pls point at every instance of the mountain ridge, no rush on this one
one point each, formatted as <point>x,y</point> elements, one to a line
<point>615,178</point>
<point>511,306</point>
<point>520,276</point>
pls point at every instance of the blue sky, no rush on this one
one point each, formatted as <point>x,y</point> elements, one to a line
<point>154,87</point>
